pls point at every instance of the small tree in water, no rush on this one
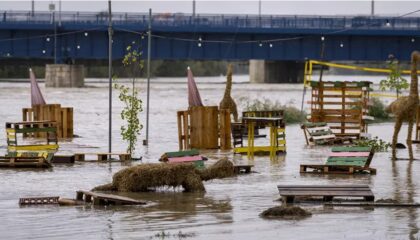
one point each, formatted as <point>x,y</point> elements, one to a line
<point>394,80</point>
<point>129,96</point>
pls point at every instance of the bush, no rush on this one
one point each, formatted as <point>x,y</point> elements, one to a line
<point>377,110</point>
<point>377,144</point>
<point>291,113</point>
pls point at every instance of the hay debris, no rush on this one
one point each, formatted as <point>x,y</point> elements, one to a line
<point>281,212</point>
<point>146,177</point>
<point>221,169</point>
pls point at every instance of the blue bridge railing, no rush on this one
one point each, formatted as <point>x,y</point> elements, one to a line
<point>215,21</point>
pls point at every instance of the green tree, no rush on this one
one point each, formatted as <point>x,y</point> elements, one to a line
<point>394,80</point>
<point>129,96</point>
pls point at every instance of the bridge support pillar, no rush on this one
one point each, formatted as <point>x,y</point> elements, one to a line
<point>263,71</point>
<point>64,75</point>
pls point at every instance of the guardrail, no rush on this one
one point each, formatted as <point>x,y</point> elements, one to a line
<point>216,21</point>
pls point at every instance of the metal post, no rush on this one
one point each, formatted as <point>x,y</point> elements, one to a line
<point>372,8</point>
<point>33,8</point>
<point>193,10</point>
<point>55,39</point>
<point>149,52</point>
<point>59,13</point>
<point>110,76</point>
<point>259,13</point>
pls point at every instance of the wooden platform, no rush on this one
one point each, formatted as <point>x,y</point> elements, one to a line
<point>325,192</point>
<point>101,156</point>
<point>105,199</point>
<point>38,200</point>
<point>331,169</point>
<point>24,162</point>
<point>238,169</point>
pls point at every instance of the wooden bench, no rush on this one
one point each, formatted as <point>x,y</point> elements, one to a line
<point>321,134</point>
<point>326,192</point>
<point>344,160</point>
<point>102,156</point>
<point>105,199</point>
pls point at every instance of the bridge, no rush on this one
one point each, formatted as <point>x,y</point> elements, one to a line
<point>83,36</point>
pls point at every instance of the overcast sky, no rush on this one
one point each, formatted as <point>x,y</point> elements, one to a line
<point>225,7</point>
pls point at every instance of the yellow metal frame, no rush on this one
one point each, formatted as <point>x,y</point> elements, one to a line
<point>49,147</point>
<point>310,63</point>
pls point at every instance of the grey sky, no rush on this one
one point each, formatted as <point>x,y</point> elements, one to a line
<point>225,7</point>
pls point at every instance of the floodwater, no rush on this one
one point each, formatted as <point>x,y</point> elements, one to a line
<point>230,207</point>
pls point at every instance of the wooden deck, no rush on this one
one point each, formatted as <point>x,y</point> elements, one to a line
<point>105,199</point>
<point>326,192</point>
<point>38,200</point>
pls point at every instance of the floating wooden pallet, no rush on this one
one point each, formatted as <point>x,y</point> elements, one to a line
<point>242,168</point>
<point>24,162</point>
<point>101,156</point>
<point>331,169</point>
<point>38,200</point>
<point>105,199</point>
<point>326,192</point>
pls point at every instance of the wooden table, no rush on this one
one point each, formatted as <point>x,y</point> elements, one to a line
<point>272,122</point>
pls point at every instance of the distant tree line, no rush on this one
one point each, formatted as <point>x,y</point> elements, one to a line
<point>158,68</point>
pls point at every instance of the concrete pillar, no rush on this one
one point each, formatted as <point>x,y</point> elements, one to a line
<point>262,71</point>
<point>64,75</point>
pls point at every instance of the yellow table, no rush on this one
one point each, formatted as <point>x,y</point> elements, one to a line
<point>273,122</point>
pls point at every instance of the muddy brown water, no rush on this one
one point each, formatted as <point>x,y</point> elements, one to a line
<point>230,207</point>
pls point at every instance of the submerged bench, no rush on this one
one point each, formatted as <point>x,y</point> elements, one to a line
<point>344,160</point>
<point>326,192</point>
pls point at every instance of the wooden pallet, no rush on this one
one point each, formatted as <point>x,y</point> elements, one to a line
<point>347,160</point>
<point>101,156</point>
<point>332,169</point>
<point>24,162</point>
<point>242,168</point>
<point>105,199</point>
<point>38,200</point>
<point>325,192</point>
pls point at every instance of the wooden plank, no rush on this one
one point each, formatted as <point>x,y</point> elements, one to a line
<point>325,186</point>
<point>337,103</point>
<point>321,193</point>
<point>316,129</point>
<point>351,149</point>
<point>185,159</point>
<point>349,154</point>
<point>191,152</point>
<point>338,95</point>
<point>110,198</point>
<point>330,136</point>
